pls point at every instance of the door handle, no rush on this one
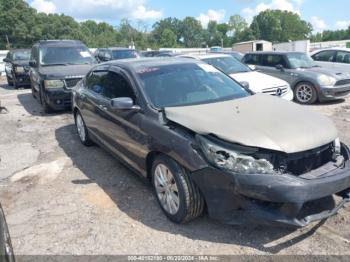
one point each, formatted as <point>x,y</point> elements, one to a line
<point>102,107</point>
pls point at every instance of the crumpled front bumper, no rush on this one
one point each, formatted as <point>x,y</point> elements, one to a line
<point>270,199</point>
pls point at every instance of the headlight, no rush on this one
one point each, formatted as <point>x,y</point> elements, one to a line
<point>325,80</point>
<point>19,69</point>
<point>337,146</point>
<point>233,161</point>
<point>54,83</point>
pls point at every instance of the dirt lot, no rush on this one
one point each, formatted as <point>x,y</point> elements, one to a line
<point>63,198</point>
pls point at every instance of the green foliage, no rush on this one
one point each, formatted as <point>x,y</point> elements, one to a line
<point>23,26</point>
<point>280,26</point>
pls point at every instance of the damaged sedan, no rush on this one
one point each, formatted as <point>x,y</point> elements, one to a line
<point>208,144</point>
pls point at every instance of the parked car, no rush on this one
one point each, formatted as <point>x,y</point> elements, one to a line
<point>255,81</point>
<point>333,57</point>
<point>204,141</point>
<point>154,53</point>
<point>56,67</point>
<point>309,81</point>
<point>115,53</point>
<point>6,250</point>
<point>17,67</point>
<point>234,54</point>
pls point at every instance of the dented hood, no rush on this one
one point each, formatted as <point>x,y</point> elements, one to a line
<point>260,121</point>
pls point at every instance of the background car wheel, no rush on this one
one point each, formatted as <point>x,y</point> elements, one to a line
<point>305,93</point>
<point>82,130</point>
<point>9,81</point>
<point>46,107</point>
<point>178,196</point>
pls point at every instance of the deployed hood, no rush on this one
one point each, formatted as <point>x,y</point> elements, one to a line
<point>258,81</point>
<point>260,121</point>
<point>64,71</point>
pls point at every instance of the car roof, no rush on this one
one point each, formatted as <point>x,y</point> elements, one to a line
<point>273,53</point>
<point>331,49</point>
<point>120,48</point>
<point>135,63</point>
<point>60,43</point>
<point>205,56</point>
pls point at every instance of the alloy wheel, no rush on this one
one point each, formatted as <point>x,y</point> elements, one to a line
<point>166,188</point>
<point>304,93</point>
<point>80,127</point>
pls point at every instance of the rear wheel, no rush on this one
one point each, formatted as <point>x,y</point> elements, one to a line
<point>82,130</point>
<point>179,198</point>
<point>305,93</point>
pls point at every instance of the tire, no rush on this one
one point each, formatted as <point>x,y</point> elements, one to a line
<point>9,82</point>
<point>46,107</point>
<point>190,201</point>
<point>83,132</point>
<point>33,91</point>
<point>305,93</point>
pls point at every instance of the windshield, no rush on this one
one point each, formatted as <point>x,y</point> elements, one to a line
<point>228,65</point>
<point>124,54</point>
<point>187,84</point>
<point>65,55</point>
<point>21,55</point>
<point>297,60</point>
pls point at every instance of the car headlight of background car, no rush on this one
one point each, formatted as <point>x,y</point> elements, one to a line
<point>54,83</point>
<point>19,69</point>
<point>233,161</point>
<point>325,80</point>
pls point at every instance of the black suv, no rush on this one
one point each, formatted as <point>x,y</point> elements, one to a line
<point>56,67</point>
<point>115,53</point>
<point>17,67</point>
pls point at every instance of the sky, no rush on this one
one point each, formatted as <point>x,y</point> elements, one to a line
<point>322,14</point>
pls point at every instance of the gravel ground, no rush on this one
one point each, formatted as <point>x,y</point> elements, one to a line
<point>62,198</point>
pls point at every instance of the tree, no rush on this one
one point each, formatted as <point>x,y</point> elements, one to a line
<point>191,32</point>
<point>174,24</point>
<point>237,24</point>
<point>280,26</point>
<point>168,39</point>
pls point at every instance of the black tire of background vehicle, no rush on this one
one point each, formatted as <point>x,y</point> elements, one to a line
<point>191,204</point>
<point>313,98</point>
<point>33,90</point>
<point>6,250</point>
<point>9,82</point>
<point>46,107</point>
<point>87,141</point>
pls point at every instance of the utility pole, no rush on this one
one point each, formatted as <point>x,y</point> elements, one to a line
<point>8,46</point>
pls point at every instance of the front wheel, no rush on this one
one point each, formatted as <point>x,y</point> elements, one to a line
<point>82,130</point>
<point>46,107</point>
<point>305,93</point>
<point>179,198</point>
<point>9,81</point>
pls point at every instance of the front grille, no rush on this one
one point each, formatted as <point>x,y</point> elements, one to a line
<point>304,162</point>
<point>343,82</point>
<point>71,82</point>
<point>276,91</point>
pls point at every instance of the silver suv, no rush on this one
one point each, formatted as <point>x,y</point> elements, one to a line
<point>310,82</point>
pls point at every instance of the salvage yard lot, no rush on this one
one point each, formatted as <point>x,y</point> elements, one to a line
<point>60,197</point>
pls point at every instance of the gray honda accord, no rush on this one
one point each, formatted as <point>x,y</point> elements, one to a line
<point>207,144</point>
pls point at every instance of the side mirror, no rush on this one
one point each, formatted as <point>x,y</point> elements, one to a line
<point>245,84</point>
<point>280,67</point>
<point>32,63</point>
<point>6,60</point>
<point>124,103</point>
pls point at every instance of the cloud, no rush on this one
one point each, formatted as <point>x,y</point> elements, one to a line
<point>43,6</point>
<point>101,10</point>
<point>211,15</point>
<point>285,5</point>
<point>342,24</point>
<point>318,24</point>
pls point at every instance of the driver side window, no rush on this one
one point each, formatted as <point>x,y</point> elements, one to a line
<point>118,86</point>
